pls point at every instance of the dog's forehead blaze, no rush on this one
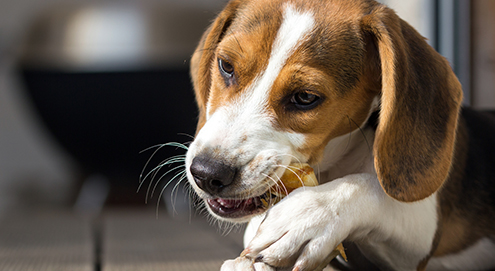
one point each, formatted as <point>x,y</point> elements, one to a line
<point>258,57</point>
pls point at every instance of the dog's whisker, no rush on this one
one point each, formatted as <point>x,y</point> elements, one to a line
<point>189,192</point>
<point>155,172</point>
<point>174,159</point>
<point>159,180</point>
<point>350,135</point>
<point>188,135</point>
<point>224,227</point>
<point>141,180</point>
<point>172,144</point>
<point>182,175</point>
<point>199,205</point>
<point>158,148</point>
<point>278,185</point>
<point>289,155</point>
<point>291,169</point>
<point>173,199</point>
<point>163,176</point>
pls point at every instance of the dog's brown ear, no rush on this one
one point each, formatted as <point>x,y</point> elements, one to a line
<point>420,101</point>
<point>202,59</point>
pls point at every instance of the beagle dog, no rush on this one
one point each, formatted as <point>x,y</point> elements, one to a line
<point>406,175</point>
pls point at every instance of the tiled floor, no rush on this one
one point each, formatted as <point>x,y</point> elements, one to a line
<point>120,240</point>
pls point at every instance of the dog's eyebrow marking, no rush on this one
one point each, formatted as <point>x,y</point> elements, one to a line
<point>295,27</point>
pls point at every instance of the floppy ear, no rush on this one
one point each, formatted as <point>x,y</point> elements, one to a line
<point>202,60</point>
<point>420,101</point>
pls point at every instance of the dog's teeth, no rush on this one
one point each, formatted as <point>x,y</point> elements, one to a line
<point>226,203</point>
<point>230,203</point>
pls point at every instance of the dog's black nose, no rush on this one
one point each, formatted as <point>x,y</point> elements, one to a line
<point>211,175</point>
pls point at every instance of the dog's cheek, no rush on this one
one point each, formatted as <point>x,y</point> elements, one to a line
<point>313,148</point>
<point>309,132</point>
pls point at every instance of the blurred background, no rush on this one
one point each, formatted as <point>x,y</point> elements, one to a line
<point>86,85</point>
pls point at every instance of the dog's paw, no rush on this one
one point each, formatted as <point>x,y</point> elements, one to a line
<point>302,230</point>
<point>245,264</point>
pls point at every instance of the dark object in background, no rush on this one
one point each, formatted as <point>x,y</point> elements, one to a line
<point>106,100</point>
<point>105,119</point>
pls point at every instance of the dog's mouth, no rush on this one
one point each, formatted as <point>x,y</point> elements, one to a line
<point>239,208</point>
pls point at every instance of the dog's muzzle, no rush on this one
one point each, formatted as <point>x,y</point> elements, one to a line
<point>217,179</point>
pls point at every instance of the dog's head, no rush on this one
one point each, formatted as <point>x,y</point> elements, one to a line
<point>276,80</point>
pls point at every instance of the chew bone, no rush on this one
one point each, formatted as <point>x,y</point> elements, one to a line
<point>296,175</point>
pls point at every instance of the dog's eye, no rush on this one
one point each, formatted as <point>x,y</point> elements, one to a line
<point>304,100</point>
<point>226,68</point>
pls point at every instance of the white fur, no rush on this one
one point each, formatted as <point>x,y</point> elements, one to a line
<point>480,256</point>
<point>403,235</point>
<point>347,154</point>
<point>292,32</point>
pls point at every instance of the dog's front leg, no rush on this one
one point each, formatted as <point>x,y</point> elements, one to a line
<point>304,228</point>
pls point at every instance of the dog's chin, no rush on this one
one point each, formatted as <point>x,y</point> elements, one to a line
<point>235,210</point>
